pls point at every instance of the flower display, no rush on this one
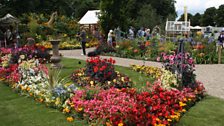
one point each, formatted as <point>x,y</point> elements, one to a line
<point>167,78</point>
<point>68,44</point>
<point>100,72</point>
<point>106,96</point>
<point>157,106</point>
<point>181,63</point>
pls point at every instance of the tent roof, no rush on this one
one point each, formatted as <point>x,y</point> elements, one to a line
<point>91,17</point>
<point>196,27</point>
<point>8,19</point>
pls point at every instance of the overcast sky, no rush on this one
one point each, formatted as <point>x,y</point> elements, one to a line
<point>196,6</point>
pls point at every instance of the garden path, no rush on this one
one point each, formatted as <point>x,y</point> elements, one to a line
<point>211,75</point>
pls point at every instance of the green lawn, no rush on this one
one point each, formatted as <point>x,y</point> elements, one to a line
<point>18,110</point>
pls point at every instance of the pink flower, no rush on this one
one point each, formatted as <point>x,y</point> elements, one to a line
<point>158,59</point>
<point>171,57</point>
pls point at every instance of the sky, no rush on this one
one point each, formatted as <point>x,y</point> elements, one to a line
<point>196,6</point>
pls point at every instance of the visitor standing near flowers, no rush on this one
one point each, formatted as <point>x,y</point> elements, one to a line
<point>83,41</point>
<point>221,38</point>
<point>110,38</point>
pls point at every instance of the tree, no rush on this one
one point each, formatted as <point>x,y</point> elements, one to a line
<point>113,14</point>
<point>209,16</point>
<point>220,16</point>
<point>196,20</point>
<point>148,17</point>
<point>189,16</point>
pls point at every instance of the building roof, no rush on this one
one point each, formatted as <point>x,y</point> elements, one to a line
<point>8,19</point>
<point>91,17</point>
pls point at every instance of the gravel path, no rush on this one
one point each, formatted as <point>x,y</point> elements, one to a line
<point>211,75</point>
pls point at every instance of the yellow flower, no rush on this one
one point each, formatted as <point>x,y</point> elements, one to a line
<point>120,124</point>
<point>114,80</point>
<point>182,104</point>
<point>57,102</point>
<point>122,79</point>
<point>28,89</point>
<point>109,82</point>
<point>66,110</point>
<point>80,109</point>
<point>23,88</point>
<point>184,110</point>
<point>169,120</point>
<point>31,94</point>
<point>70,119</point>
<point>91,82</point>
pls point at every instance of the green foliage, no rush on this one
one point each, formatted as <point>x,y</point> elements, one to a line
<point>220,16</point>
<point>208,17</point>
<point>56,79</point>
<point>33,25</point>
<point>148,17</point>
<point>113,14</point>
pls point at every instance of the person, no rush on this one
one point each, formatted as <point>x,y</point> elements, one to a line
<point>131,33</point>
<point>147,34</point>
<point>110,38</point>
<point>221,38</point>
<point>83,41</point>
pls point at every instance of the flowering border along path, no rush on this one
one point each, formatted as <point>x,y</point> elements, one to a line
<point>154,105</point>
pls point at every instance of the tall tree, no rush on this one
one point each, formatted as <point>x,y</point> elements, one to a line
<point>113,14</point>
<point>220,16</point>
<point>189,16</point>
<point>196,20</point>
<point>148,17</point>
<point>209,16</point>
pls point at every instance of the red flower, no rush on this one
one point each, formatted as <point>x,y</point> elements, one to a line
<point>95,69</point>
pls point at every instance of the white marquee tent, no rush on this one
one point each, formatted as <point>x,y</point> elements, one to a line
<point>91,17</point>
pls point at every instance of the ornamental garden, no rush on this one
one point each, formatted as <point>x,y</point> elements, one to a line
<point>96,92</point>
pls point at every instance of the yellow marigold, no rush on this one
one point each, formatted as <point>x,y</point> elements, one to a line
<point>66,110</point>
<point>120,124</point>
<point>182,104</point>
<point>70,119</point>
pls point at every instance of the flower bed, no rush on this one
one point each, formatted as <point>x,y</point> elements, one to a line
<point>105,96</point>
<point>203,50</point>
<point>66,45</point>
<point>156,106</point>
<point>168,80</point>
<point>100,72</point>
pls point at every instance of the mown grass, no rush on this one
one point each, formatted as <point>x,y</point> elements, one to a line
<point>16,110</point>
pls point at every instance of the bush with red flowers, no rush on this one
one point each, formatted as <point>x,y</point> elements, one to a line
<point>100,69</point>
<point>100,72</point>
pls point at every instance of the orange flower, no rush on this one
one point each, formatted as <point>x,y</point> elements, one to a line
<point>147,43</point>
<point>70,119</point>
